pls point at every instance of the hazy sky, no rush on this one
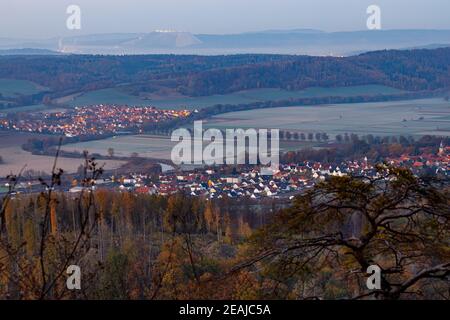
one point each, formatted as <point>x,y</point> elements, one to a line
<point>47,18</point>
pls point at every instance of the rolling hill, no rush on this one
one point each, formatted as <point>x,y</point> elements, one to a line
<point>297,41</point>
<point>150,76</point>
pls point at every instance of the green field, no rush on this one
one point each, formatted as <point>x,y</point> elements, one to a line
<point>115,95</point>
<point>15,158</point>
<point>145,145</point>
<point>412,117</point>
<point>150,146</point>
<point>11,88</point>
<point>271,94</point>
<point>33,108</point>
<point>106,96</point>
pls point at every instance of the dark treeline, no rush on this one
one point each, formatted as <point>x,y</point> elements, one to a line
<point>48,145</point>
<point>24,100</point>
<point>409,70</point>
<point>376,149</point>
<point>74,73</point>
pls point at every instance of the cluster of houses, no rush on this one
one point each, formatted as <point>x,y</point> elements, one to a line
<point>438,164</point>
<point>289,180</point>
<point>91,120</point>
<point>249,183</point>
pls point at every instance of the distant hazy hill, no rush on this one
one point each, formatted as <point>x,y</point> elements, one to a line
<point>27,51</point>
<point>133,43</point>
<point>431,46</point>
<point>298,41</point>
<point>323,43</point>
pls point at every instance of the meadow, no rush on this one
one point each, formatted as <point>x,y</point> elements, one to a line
<point>104,96</point>
<point>11,88</point>
<point>152,146</point>
<point>412,117</point>
<point>15,158</point>
<point>32,108</point>
<point>117,96</point>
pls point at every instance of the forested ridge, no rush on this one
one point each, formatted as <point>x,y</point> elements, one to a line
<point>412,70</point>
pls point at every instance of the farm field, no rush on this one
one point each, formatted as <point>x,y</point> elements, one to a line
<point>14,158</point>
<point>12,88</point>
<point>412,117</point>
<point>115,95</point>
<point>103,96</point>
<point>33,108</point>
<point>151,146</point>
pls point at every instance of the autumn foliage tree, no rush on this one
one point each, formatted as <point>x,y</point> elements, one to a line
<point>322,246</point>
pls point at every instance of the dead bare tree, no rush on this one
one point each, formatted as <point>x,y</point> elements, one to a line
<point>65,249</point>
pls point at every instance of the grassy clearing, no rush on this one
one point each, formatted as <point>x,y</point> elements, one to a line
<point>12,88</point>
<point>33,108</point>
<point>15,158</point>
<point>115,95</point>
<point>105,96</point>
<point>151,146</point>
<point>413,117</point>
